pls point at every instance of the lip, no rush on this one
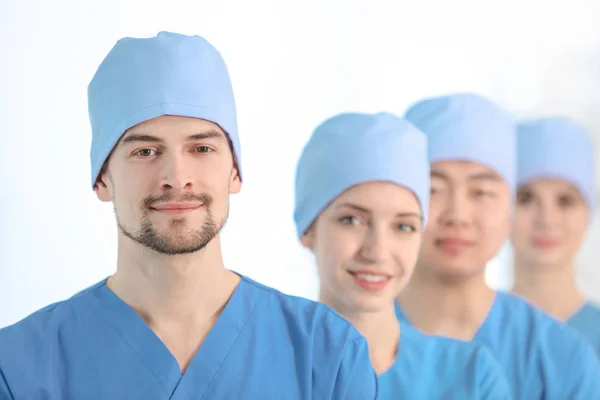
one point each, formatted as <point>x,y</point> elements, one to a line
<point>544,243</point>
<point>176,208</point>
<point>453,245</point>
<point>371,286</point>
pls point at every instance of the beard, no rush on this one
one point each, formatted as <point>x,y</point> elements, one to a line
<point>177,239</point>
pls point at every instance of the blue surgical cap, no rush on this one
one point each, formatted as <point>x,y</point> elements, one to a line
<point>354,148</point>
<point>169,74</point>
<point>556,147</point>
<point>468,127</point>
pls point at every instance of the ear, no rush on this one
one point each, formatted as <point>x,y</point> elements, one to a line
<point>235,183</point>
<point>102,187</point>
<point>308,239</point>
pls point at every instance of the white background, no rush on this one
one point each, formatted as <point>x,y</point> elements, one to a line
<point>292,65</point>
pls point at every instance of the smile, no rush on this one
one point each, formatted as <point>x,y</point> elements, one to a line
<point>370,280</point>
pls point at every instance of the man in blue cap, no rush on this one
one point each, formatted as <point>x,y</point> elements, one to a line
<point>173,322</point>
<point>472,151</point>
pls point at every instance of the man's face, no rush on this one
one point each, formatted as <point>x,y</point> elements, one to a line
<point>169,179</point>
<point>469,219</point>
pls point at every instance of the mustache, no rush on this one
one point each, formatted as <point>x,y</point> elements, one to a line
<point>203,198</point>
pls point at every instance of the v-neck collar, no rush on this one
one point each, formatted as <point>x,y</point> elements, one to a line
<point>486,325</point>
<point>579,312</point>
<point>153,353</point>
<point>490,324</point>
<point>219,342</point>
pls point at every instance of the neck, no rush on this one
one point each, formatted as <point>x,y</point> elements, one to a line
<point>449,308</point>
<point>381,329</point>
<point>179,297</point>
<point>550,288</point>
<point>180,290</point>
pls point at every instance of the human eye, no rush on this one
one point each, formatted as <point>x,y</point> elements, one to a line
<point>145,152</point>
<point>407,228</point>
<point>204,149</point>
<point>349,220</point>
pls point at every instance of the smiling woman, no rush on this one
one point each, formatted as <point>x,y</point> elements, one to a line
<point>366,243</point>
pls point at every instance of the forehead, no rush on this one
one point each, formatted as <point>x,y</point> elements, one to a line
<point>379,196</point>
<point>463,171</point>
<point>550,185</point>
<point>171,127</point>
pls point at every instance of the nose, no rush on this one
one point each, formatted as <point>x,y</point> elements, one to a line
<point>455,210</point>
<point>376,244</point>
<point>175,173</point>
<point>546,214</point>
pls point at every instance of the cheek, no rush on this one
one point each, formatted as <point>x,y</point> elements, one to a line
<point>217,184</point>
<point>410,255</point>
<point>576,227</point>
<point>522,225</point>
<point>523,216</point>
<point>333,252</point>
<point>124,194</point>
<point>433,222</point>
<point>428,240</point>
<point>494,222</point>
<point>495,229</point>
<point>435,208</point>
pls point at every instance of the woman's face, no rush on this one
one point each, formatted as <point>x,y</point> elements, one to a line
<point>551,220</point>
<point>366,244</point>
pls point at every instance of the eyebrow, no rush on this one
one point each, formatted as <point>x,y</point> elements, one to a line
<point>569,190</point>
<point>144,137</point>
<point>481,176</point>
<point>365,210</point>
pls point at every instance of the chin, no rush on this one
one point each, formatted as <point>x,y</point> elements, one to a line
<point>180,242</point>
<point>371,303</point>
<point>456,273</point>
<point>547,260</point>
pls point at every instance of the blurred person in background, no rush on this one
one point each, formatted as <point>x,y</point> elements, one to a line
<point>554,208</point>
<point>473,156</point>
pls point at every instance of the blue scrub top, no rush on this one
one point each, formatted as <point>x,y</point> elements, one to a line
<point>435,367</point>
<point>587,321</point>
<point>541,358</point>
<point>265,345</point>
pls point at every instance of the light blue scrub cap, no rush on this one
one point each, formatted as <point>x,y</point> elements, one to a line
<point>468,127</point>
<point>557,147</point>
<point>169,74</point>
<point>354,148</point>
